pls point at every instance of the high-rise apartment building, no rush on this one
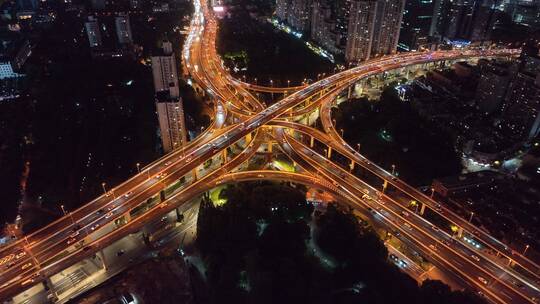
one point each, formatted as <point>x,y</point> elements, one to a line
<point>521,107</point>
<point>416,24</point>
<point>324,28</point>
<point>93,32</point>
<point>373,28</point>
<point>170,111</point>
<point>296,13</point>
<point>123,29</point>
<point>164,71</point>
<point>463,19</point>
<point>169,105</point>
<point>492,86</point>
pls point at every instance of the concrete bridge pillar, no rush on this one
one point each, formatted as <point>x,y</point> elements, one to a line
<point>422,209</point>
<point>248,137</point>
<point>194,174</point>
<point>351,166</point>
<point>329,152</point>
<point>460,232</point>
<point>269,146</point>
<point>224,155</point>
<point>101,255</point>
<point>311,141</point>
<point>349,92</point>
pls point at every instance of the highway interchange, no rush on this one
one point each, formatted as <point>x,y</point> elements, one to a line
<point>245,123</point>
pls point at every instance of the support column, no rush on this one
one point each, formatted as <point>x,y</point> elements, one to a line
<point>269,144</point>
<point>195,174</point>
<point>127,216</point>
<point>349,92</point>
<point>460,232</point>
<point>311,142</point>
<point>224,154</point>
<point>329,152</point>
<point>101,256</point>
<point>351,166</point>
<point>384,186</point>
<point>422,209</point>
<point>248,137</point>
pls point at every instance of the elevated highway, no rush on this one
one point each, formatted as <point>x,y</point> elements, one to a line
<point>242,121</point>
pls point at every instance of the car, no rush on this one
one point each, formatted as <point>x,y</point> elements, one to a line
<point>435,228</point>
<point>168,163</point>
<point>408,226</point>
<point>474,257</point>
<point>23,267</point>
<point>161,175</point>
<point>260,175</point>
<point>120,252</point>
<point>393,257</point>
<point>404,213</point>
<point>96,226</point>
<point>394,178</point>
<point>484,281</point>
<point>28,281</point>
<point>99,212</point>
<point>20,254</point>
<point>74,234</point>
<point>127,298</point>
<point>188,159</point>
<point>433,247</point>
<point>108,215</point>
<point>10,265</point>
<point>71,241</point>
<point>128,194</point>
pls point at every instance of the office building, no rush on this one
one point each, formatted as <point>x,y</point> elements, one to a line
<point>164,71</point>
<point>373,28</point>
<point>123,29</point>
<point>93,32</point>
<point>172,128</point>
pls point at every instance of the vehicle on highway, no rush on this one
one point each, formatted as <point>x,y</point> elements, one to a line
<point>71,241</point>
<point>96,226</point>
<point>408,226</point>
<point>23,267</point>
<point>474,257</point>
<point>108,215</point>
<point>484,281</point>
<point>74,234</point>
<point>435,228</point>
<point>128,194</point>
<point>404,213</point>
<point>433,247</point>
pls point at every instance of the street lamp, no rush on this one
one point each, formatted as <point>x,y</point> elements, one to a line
<point>526,247</point>
<point>470,218</point>
<point>104,189</point>
<point>393,169</point>
<point>288,83</point>
<point>432,192</point>
<point>358,147</point>
<point>138,167</point>
<point>63,210</point>
<point>341,132</point>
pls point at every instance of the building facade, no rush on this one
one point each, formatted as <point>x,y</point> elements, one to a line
<point>123,29</point>
<point>93,32</point>
<point>169,105</point>
<point>373,28</point>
